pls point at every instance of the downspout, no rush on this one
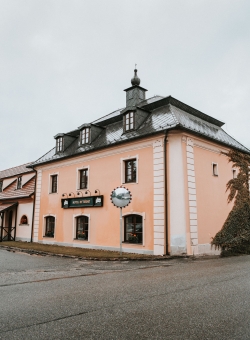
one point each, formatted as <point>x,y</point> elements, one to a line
<point>166,191</point>
<point>15,224</point>
<point>33,212</point>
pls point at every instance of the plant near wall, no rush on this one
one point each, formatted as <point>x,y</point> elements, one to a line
<point>234,237</point>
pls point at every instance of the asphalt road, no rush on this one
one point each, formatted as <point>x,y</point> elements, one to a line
<point>58,298</point>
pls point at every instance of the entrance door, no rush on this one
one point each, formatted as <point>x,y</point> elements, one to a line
<point>10,225</point>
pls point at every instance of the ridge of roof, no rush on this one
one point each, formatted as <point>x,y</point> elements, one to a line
<point>14,171</point>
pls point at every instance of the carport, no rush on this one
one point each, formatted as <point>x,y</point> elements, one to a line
<point>8,228</point>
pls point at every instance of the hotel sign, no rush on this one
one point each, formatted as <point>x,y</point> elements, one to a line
<point>82,202</point>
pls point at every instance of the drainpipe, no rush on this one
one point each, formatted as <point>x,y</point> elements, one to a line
<point>15,223</point>
<point>33,212</point>
<point>166,191</point>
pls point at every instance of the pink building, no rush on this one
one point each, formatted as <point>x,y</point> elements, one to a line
<point>168,154</point>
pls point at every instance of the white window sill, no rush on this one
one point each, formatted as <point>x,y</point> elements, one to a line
<point>80,241</point>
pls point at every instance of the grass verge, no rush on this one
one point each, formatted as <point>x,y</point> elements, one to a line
<point>73,251</point>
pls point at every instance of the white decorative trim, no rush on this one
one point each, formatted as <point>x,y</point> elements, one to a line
<point>37,205</point>
<point>78,177</point>
<point>143,214</point>
<point>159,197</point>
<point>122,162</point>
<point>50,183</point>
<point>216,173</point>
<point>74,227</point>
<point>209,147</point>
<point>192,196</point>
<point>44,226</point>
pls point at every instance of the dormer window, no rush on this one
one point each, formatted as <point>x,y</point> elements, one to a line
<point>59,144</point>
<point>1,186</point>
<point>129,121</point>
<point>85,136</point>
<point>19,182</point>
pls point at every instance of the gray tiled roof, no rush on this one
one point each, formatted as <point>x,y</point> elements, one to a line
<point>161,118</point>
<point>17,170</point>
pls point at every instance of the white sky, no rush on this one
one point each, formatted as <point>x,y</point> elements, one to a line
<point>66,62</point>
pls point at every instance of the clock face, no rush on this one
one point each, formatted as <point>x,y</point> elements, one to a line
<point>121,197</point>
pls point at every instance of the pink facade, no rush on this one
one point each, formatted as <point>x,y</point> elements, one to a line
<point>169,155</point>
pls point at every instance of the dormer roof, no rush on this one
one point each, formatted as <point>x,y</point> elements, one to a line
<point>165,114</point>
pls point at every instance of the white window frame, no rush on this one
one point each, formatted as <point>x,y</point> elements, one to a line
<point>122,162</point>
<point>17,183</point>
<point>86,131</point>
<point>234,173</point>
<point>74,227</point>
<point>44,226</point>
<point>216,168</point>
<point>143,214</point>
<point>78,177</point>
<point>60,149</point>
<point>128,114</point>
<point>50,183</point>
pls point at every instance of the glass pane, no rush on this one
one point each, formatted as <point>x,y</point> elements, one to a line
<point>129,227</point>
<point>139,237</point>
<point>138,227</point>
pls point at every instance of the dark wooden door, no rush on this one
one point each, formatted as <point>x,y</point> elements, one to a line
<point>10,225</point>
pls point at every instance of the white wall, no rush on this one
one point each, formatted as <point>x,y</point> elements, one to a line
<point>23,232</point>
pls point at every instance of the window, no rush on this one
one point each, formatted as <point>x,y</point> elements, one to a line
<point>85,136</point>
<point>19,182</point>
<point>129,121</point>
<point>24,220</point>
<point>1,186</point>
<point>234,173</point>
<point>50,226</point>
<point>59,144</point>
<point>82,227</point>
<point>53,183</point>
<point>83,179</point>
<point>215,169</point>
<point>130,171</point>
<point>133,229</point>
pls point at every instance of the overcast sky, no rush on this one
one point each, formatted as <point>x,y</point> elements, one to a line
<point>66,62</point>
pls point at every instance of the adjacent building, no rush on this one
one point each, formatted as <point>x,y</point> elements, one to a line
<point>17,189</point>
<point>168,154</point>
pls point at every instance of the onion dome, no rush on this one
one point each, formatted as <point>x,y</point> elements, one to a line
<point>135,80</point>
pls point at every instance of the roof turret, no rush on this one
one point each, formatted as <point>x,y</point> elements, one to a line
<point>135,80</point>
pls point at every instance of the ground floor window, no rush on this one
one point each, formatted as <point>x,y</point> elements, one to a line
<point>82,227</point>
<point>50,226</point>
<point>24,220</point>
<point>133,229</point>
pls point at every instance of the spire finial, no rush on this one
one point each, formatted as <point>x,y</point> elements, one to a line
<point>136,79</point>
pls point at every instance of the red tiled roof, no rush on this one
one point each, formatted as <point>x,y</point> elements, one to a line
<point>17,170</point>
<point>12,193</point>
<point>4,207</point>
